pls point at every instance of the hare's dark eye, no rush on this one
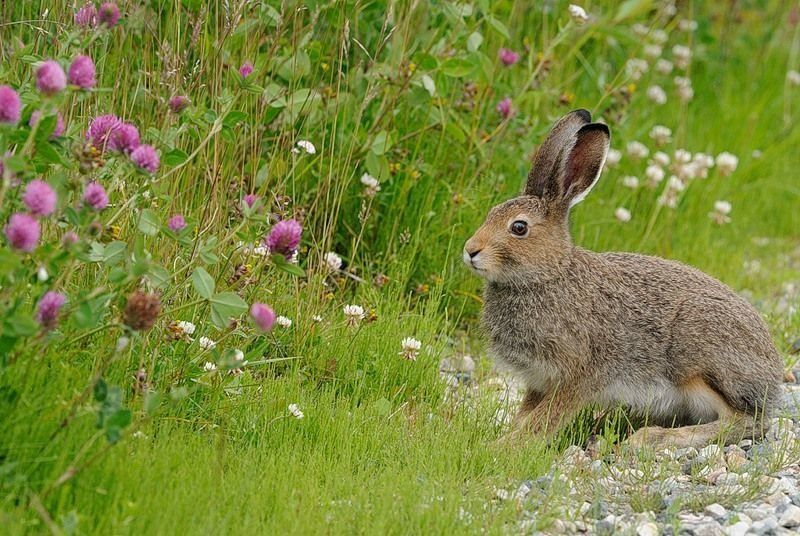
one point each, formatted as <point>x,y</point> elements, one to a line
<point>519,228</point>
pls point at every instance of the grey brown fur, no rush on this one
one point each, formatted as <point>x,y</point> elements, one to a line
<point>579,327</point>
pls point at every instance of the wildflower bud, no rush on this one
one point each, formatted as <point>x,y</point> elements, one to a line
<point>246,69</point>
<point>177,223</point>
<point>141,310</point>
<point>86,17</point>
<point>504,108</point>
<point>82,72</point>
<point>508,56</point>
<point>50,78</point>
<point>178,103</point>
<point>94,195</point>
<point>49,306</point>
<point>263,316</point>
<point>145,157</point>
<point>40,198</point>
<point>108,14</point>
<point>284,237</point>
<point>10,106</point>
<point>22,232</point>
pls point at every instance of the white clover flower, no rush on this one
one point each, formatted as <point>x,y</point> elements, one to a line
<point>652,51</point>
<point>42,275</point>
<point>353,313</point>
<point>208,366</point>
<point>669,197</point>
<point>305,145</point>
<point>316,318</point>
<point>410,349</point>
<point>613,158</point>
<point>185,327</point>
<point>721,212</point>
<point>283,322</point>
<point>261,250</point>
<point>661,134</point>
<point>637,150</point>
<point>238,356</point>
<point>630,181</point>
<point>371,185</point>
<point>657,95</point>
<point>669,9</point>
<point>578,14</point>
<point>623,214</point>
<point>295,258</point>
<point>640,29</point>
<point>663,66</point>
<point>793,77</point>
<point>701,163</point>
<point>206,343</point>
<point>332,261</point>
<point>682,56</point>
<point>682,156</point>
<point>635,68</point>
<point>659,36</point>
<point>654,175</point>
<point>660,158</point>
<point>295,411</point>
<point>726,163</point>
<point>685,90</point>
<point>687,25</point>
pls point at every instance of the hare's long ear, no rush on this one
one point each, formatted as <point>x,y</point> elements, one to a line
<point>548,163</point>
<point>584,162</point>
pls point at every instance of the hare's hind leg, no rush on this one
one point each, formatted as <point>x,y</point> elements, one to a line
<point>729,429</point>
<point>541,415</point>
<point>704,404</point>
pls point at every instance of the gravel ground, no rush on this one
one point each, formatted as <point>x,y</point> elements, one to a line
<point>740,489</point>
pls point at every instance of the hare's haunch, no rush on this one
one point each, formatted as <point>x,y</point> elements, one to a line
<point>670,342</point>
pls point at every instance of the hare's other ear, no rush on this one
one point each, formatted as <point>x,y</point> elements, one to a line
<point>584,162</point>
<point>548,163</point>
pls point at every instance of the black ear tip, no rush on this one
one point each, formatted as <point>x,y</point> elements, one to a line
<point>595,127</point>
<point>584,114</point>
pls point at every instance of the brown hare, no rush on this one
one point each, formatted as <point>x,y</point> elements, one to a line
<point>673,344</point>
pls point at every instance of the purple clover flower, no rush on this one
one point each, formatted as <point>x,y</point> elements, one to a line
<point>22,232</point>
<point>145,157</point>
<point>508,56</point>
<point>124,139</point>
<point>40,198</point>
<point>178,103</point>
<point>69,238</point>
<point>250,200</point>
<point>58,131</point>
<point>100,130</point>
<point>504,108</point>
<point>246,69</point>
<point>95,196</point>
<point>82,72</point>
<point>86,17</point>
<point>177,223</point>
<point>263,316</point>
<point>10,106</point>
<point>50,78</point>
<point>284,237</point>
<point>49,307</point>
<point>108,14</point>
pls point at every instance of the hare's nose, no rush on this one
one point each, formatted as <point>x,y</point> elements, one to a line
<point>473,253</point>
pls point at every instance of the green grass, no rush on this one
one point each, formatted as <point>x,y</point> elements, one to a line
<point>381,448</point>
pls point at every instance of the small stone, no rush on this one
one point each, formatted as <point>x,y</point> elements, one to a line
<point>716,510</point>
<point>647,528</point>
<point>795,347</point>
<point>605,527</point>
<point>727,479</point>
<point>737,529</point>
<point>764,526</point>
<point>710,451</point>
<point>596,466</point>
<point>790,517</point>
<point>523,490</point>
<point>796,499</point>
<point>708,529</point>
<point>757,514</point>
